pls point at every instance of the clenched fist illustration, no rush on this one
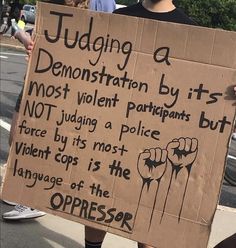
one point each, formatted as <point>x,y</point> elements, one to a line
<point>152,164</point>
<point>182,152</point>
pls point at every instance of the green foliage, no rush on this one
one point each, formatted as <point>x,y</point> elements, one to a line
<point>211,13</point>
<point>33,2</point>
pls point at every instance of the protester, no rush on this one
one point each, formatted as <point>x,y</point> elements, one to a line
<point>19,211</point>
<point>23,212</point>
<point>103,6</point>
<point>162,10</point>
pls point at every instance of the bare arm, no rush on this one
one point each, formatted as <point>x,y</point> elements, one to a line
<point>25,39</point>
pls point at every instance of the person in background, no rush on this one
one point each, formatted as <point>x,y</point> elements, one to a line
<point>163,10</point>
<point>103,5</point>
<point>14,14</point>
<point>82,4</point>
<point>21,212</point>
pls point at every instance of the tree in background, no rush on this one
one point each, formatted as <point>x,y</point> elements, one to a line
<point>33,2</point>
<point>211,13</point>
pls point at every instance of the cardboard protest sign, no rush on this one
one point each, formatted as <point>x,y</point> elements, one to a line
<point>124,124</point>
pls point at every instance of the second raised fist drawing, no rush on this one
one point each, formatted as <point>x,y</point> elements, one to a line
<point>182,153</point>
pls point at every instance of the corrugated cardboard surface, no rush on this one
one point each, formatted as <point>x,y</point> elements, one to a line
<point>133,118</point>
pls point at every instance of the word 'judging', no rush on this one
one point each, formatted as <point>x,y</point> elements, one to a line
<point>84,41</point>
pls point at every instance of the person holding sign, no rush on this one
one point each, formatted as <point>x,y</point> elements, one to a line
<point>20,211</point>
<point>162,10</point>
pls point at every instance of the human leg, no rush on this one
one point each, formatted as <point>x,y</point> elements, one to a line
<point>93,237</point>
<point>19,212</point>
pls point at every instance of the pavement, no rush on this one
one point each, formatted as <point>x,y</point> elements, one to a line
<point>54,232</point>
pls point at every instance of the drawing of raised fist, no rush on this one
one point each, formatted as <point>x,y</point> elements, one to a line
<point>182,152</point>
<point>152,163</point>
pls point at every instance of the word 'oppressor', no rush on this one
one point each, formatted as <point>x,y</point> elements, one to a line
<point>91,211</point>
